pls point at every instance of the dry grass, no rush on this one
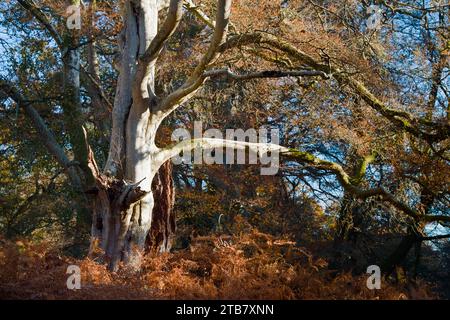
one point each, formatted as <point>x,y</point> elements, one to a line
<point>252,266</point>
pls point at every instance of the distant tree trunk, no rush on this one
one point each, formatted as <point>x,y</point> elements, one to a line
<point>351,221</point>
<point>349,216</point>
<point>397,257</point>
<point>412,239</point>
<point>74,120</point>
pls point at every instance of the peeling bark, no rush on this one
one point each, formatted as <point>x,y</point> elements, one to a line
<point>163,227</point>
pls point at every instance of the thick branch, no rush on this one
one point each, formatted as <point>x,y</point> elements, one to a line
<point>299,156</point>
<point>168,28</point>
<point>191,7</point>
<point>193,83</point>
<point>362,168</point>
<point>202,16</point>
<point>445,236</point>
<point>211,143</point>
<point>227,73</point>
<point>40,16</point>
<point>46,136</point>
<point>142,89</point>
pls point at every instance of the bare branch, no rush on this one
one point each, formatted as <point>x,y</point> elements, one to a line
<point>168,28</point>
<point>191,7</point>
<point>211,143</point>
<point>434,131</point>
<point>220,33</point>
<point>42,18</point>
<point>193,83</point>
<point>147,60</point>
<point>445,236</point>
<point>227,73</point>
<point>44,132</point>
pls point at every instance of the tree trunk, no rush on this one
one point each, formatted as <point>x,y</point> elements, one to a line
<point>400,253</point>
<point>74,120</point>
<point>348,215</point>
<point>124,199</point>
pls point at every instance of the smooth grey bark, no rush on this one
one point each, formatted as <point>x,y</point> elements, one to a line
<point>128,46</point>
<point>122,228</point>
<point>138,153</point>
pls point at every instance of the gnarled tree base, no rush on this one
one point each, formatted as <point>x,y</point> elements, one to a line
<point>128,221</point>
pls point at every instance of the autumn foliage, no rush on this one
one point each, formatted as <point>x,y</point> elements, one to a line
<point>249,266</point>
<point>365,181</point>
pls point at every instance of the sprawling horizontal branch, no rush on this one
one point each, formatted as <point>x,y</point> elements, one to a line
<point>227,73</point>
<point>428,130</point>
<point>211,143</point>
<point>440,237</point>
<point>348,183</point>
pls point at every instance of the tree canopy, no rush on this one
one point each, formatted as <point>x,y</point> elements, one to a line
<point>358,93</point>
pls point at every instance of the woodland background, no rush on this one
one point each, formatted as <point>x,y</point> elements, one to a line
<point>296,235</point>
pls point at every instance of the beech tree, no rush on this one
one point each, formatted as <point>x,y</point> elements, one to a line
<point>129,201</point>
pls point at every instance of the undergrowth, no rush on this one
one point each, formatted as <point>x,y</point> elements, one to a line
<point>250,266</point>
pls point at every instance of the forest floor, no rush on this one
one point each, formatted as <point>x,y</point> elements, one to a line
<point>252,266</point>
